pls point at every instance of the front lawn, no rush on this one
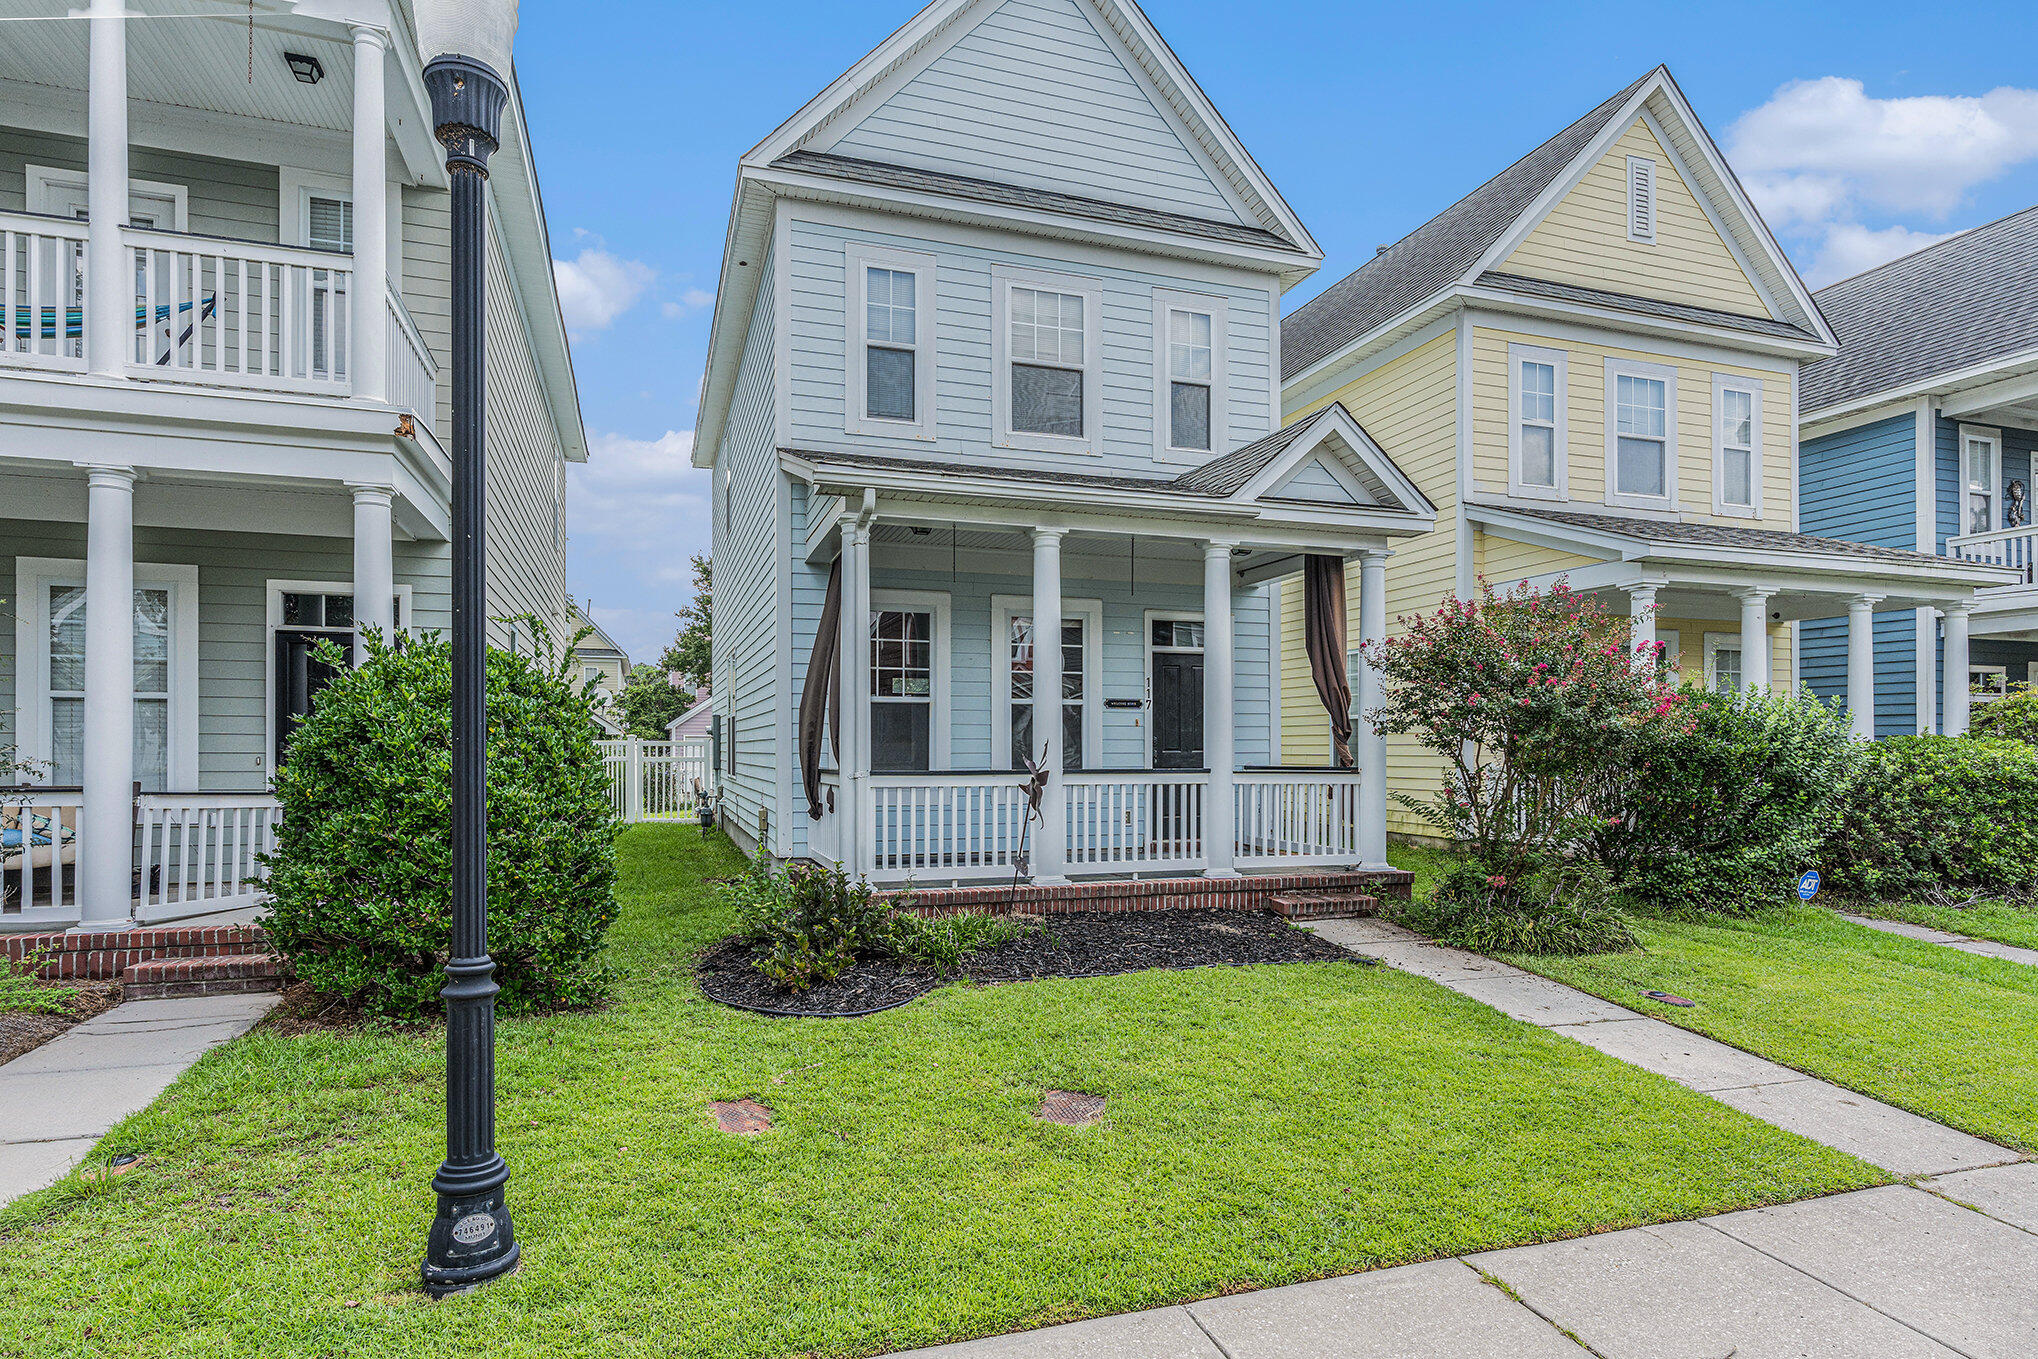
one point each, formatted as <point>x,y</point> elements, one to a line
<point>2003,921</point>
<point>1934,1030</point>
<point>1264,1124</point>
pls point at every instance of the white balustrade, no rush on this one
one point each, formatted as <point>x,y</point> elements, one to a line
<point>1299,818</point>
<point>413,376</point>
<point>41,836</point>
<point>42,291</point>
<point>1139,821</point>
<point>2013,547</point>
<point>946,826</point>
<point>199,852</point>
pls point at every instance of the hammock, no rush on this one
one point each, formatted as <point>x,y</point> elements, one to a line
<point>26,329</point>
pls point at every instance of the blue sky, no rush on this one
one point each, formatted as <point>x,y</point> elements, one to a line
<point>1865,130</point>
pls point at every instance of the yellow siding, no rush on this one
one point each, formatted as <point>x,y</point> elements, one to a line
<point>1585,416</point>
<point>1691,633</point>
<point>1508,563</point>
<point>1584,239</point>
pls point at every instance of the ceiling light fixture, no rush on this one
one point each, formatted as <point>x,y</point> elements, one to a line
<point>307,69</point>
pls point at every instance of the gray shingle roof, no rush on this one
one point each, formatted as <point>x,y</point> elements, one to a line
<point>1438,252</point>
<point>1947,307</point>
<point>1676,534</point>
<point>1229,474</point>
<point>1011,195</point>
<point>1644,306</point>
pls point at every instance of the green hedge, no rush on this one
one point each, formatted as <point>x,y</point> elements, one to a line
<point>1939,812</point>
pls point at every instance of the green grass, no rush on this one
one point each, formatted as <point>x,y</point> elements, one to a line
<point>1934,1030</point>
<point>1265,1124</point>
<point>2003,921</point>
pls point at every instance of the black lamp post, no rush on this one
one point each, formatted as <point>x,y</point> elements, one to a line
<point>471,1240</point>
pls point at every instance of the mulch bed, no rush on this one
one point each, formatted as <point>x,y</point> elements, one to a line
<point>21,1033</point>
<point>1084,944</point>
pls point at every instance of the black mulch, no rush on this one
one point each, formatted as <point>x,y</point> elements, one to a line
<point>1089,944</point>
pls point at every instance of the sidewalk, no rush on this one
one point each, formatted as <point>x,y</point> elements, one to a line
<point>60,1099</point>
<point>1987,948</point>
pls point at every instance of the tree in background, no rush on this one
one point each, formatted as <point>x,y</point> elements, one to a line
<point>651,702</point>
<point>692,653</point>
<point>655,695</point>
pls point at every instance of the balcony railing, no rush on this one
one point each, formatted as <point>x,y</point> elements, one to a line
<point>199,852</point>
<point>2016,548</point>
<point>42,291</point>
<point>1297,819</point>
<point>413,375</point>
<point>41,835</point>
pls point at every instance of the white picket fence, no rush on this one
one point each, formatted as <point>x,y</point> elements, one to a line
<point>657,780</point>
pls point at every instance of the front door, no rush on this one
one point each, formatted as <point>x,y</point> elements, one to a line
<point>1178,710</point>
<point>299,677</point>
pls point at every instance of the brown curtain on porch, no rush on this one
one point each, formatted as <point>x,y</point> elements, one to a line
<point>1323,638</point>
<point>821,697</point>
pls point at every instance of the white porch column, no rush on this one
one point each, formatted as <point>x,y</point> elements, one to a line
<point>1754,638</point>
<point>1050,841</point>
<point>1861,665</point>
<point>109,285</point>
<point>854,792</point>
<point>105,866</point>
<point>1642,623</point>
<point>1954,680</point>
<point>1220,801</point>
<point>1370,751</point>
<point>374,566</point>
<point>371,221</point>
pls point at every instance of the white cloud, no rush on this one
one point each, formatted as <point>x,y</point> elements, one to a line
<point>693,299</point>
<point>697,297</point>
<point>597,287</point>
<point>636,512</point>
<point>1849,248</point>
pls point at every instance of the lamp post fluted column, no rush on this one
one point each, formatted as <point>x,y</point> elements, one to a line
<point>471,1238</point>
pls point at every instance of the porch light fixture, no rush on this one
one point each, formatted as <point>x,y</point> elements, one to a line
<point>308,70</point>
<point>471,1240</point>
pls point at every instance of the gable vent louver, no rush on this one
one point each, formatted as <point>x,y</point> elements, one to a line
<point>1641,198</point>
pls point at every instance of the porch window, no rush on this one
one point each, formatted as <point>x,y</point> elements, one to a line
<point>1723,662</point>
<point>1737,445</point>
<point>1980,460</point>
<point>1536,440</point>
<point>328,225</point>
<point>901,689</point>
<point>152,614</point>
<point>1641,434</point>
<point>1020,649</point>
<point>1985,683</point>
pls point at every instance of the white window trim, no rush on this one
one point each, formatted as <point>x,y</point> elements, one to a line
<point>273,620</point>
<point>1004,608</point>
<point>1147,620</point>
<point>1004,279</point>
<point>1164,450</point>
<point>935,604</point>
<point>1635,231</point>
<point>44,180</point>
<point>1517,354</point>
<point>1617,368</point>
<point>1672,642</point>
<point>1716,642</point>
<point>32,720</point>
<point>1975,695</point>
<point>1994,439</point>
<point>857,258</point>
<point>1722,383</point>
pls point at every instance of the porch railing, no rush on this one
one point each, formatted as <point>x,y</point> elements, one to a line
<point>655,780</point>
<point>2015,547</point>
<point>198,852</point>
<point>413,375</point>
<point>1299,818</point>
<point>945,826</point>
<point>42,291</point>
<point>1139,821</point>
<point>41,836</point>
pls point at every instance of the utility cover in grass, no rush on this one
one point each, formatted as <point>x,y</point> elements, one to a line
<point>744,1117</point>
<point>1070,1108</point>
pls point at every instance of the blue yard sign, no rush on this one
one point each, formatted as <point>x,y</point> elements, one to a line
<point>1808,885</point>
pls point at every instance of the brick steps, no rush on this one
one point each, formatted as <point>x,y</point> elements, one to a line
<point>152,963</point>
<point>1327,905</point>
<point>160,978</point>
<point>1250,892</point>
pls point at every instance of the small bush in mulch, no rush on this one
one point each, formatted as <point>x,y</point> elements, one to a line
<point>1087,944</point>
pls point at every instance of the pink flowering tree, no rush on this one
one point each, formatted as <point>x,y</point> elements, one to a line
<point>1529,697</point>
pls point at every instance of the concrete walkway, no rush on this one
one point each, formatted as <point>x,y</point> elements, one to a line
<point>1987,948</point>
<point>58,1100</point>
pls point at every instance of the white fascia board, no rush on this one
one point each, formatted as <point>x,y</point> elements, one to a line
<point>1317,377</point>
<point>1840,415</point>
<point>1334,418</point>
<point>749,231</point>
<point>1615,318</point>
<point>2007,392</point>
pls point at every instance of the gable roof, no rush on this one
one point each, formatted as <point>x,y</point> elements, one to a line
<point>1948,307</point>
<point>598,639</point>
<point>1458,244</point>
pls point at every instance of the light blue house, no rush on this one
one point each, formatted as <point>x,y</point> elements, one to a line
<point>1919,434</point>
<point>994,381</point>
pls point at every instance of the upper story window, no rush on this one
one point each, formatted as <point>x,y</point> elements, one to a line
<point>1641,434</point>
<point>1737,445</point>
<point>1980,476</point>
<point>1189,386</point>
<point>890,388</point>
<point>1044,342</point>
<point>1642,199</point>
<point>329,222</point>
<point>1536,434</point>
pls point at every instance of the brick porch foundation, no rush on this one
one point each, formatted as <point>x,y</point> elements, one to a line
<point>175,960</point>
<point>1254,892</point>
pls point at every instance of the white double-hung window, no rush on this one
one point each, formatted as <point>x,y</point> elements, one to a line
<point>890,387</point>
<point>1045,384</point>
<point>1189,387</point>
<point>1737,445</point>
<point>1981,452</point>
<point>1641,434</point>
<point>1536,426</point>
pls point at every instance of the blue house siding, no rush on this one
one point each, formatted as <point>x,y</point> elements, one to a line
<point>1861,485</point>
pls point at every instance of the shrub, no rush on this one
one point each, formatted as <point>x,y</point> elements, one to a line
<point>1557,908</point>
<point>21,993</point>
<point>362,873</point>
<point>1723,810</point>
<point>1932,812</point>
<point>2013,717</point>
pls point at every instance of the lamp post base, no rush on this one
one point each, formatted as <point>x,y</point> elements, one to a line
<point>471,1240</point>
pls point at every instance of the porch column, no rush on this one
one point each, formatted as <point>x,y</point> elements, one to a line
<point>105,865</point>
<point>1370,751</point>
<point>1050,840</point>
<point>374,567</point>
<point>109,285</point>
<point>853,794</point>
<point>1861,665</point>
<point>1220,801</point>
<point>370,319</point>
<point>1642,623</point>
<point>1954,678</point>
<point>1754,638</point>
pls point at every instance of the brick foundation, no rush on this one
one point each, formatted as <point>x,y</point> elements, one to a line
<point>103,956</point>
<point>1250,893</point>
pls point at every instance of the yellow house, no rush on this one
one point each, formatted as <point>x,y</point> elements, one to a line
<point>1590,366</point>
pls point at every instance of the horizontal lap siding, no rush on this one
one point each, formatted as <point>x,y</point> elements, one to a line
<point>226,197</point>
<point>526,533</point>
<point>426,269</point>
<point>1036,92</point>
